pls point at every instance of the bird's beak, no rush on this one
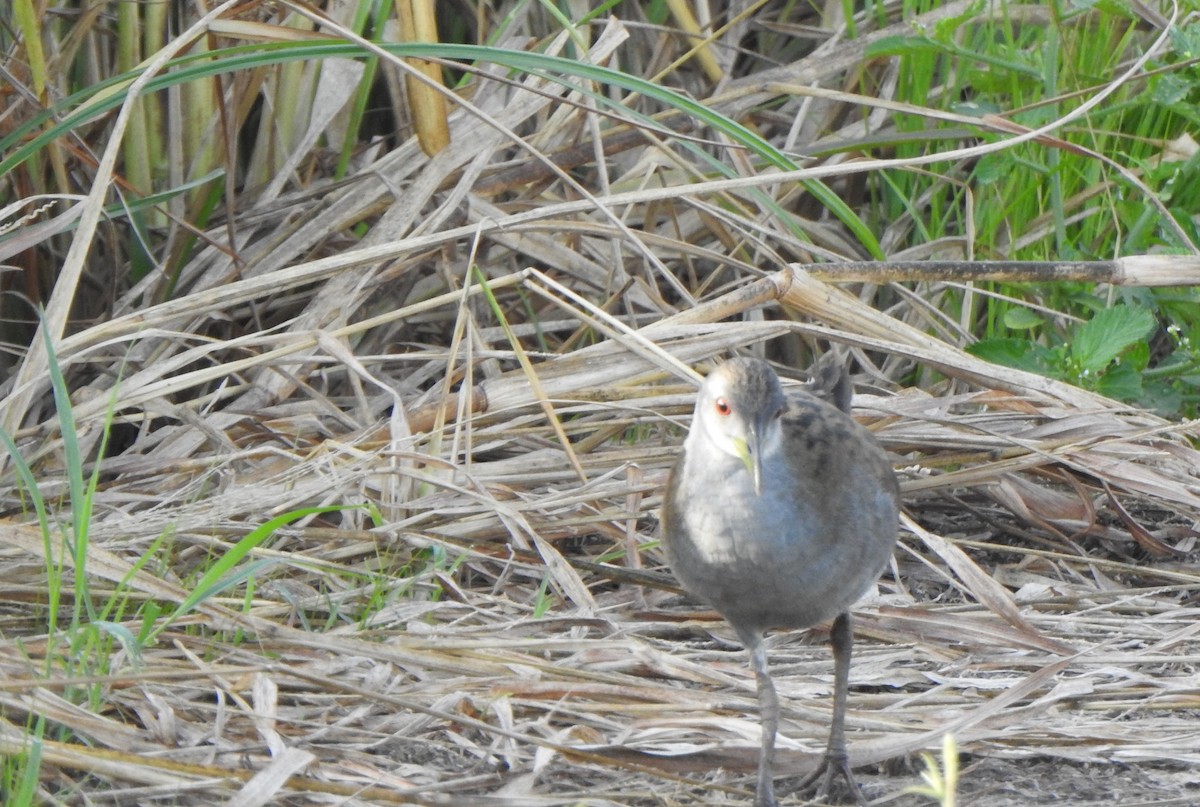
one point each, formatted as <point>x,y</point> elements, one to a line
<point>751,457</point>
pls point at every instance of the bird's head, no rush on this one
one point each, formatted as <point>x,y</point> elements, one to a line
<point>739,412</point>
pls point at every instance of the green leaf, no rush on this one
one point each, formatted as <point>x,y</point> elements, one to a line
<point>1185,40</point>
<point>1007,352</point>
<point>1163,397</point>
<point>902,46</point>
<point>1169,90</point>
<point>1088,300</point>
<point>992,168</point>
<point>1122,382</point>
<point>1138,356</point>
<point>1021,319</point>
<point>1101,339</point>
<point>125,637</point>
<point>1022,354</point>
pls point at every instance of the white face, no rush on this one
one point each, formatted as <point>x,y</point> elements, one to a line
<point>721,420</point>
<point>728,414</point>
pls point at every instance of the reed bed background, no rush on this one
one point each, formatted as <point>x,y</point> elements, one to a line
<point>334,459</point>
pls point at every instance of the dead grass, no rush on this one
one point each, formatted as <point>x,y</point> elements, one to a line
<point>506,633</point>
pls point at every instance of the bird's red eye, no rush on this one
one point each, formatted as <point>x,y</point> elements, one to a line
<point>723,407</point>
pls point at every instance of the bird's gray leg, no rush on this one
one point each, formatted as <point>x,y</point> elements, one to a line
<point>837,760</point>
<point>768,715</point>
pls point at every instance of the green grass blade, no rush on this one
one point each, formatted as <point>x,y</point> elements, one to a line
<point>25,790</point>
<point>80,501</point>
<point>220,576</point>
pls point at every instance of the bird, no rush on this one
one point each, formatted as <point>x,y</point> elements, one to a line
<point>780,512</point>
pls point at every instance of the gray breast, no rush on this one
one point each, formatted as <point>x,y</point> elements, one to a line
<point>806,548</point>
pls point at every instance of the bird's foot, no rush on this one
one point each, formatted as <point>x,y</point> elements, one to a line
<point>832,767</point>
<point>764,793</point>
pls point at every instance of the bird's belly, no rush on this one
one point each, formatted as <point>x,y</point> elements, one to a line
<point>772,561</point>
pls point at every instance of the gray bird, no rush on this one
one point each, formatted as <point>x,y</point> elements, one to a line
<point>780,512</point>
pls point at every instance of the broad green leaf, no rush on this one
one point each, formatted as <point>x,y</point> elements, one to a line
<point>1008,352</point>
<point>1021,354</point>
<point>1021,319</point>
<point>992,168</point>
<point>1121,382</point>
<point>1138,356</point>
<point>1101,339</point>
<point>1162,396</point>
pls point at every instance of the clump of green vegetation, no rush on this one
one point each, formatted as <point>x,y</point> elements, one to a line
<point>1122,177</point>
<point>1110,353</point>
